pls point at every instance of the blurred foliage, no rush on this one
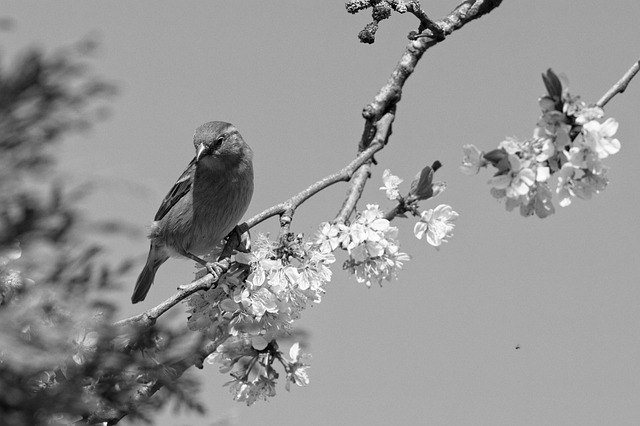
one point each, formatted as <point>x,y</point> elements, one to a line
<point>61,358</point>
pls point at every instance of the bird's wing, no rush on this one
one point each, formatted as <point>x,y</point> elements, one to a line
<point>179,190</point>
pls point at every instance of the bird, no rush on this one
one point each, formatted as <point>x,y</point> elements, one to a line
<point>204,205</point>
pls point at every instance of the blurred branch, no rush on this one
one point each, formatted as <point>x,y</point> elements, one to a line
<point>144,392</point>
<point>44,97</point>
<point>620,86</point>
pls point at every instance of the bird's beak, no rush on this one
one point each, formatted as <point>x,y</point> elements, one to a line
<point>202,149</point>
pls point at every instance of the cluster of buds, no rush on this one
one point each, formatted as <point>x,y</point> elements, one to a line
<point>568,143</point>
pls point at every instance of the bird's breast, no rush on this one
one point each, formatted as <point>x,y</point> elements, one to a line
<point>220,199</point>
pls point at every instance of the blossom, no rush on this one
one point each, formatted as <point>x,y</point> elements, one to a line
<point>374,252</point>
<point>569,143</point>
<point>85,343</point>
<point>258,302</point>
<point>370,241</point>
<point>586,114</point>
<point>552,124</point>
<point>599,137</point>
<point>512,145</point>
<point>517,181</point>
<point>265,296</point>
<point>436,224</point>
<point>297,369</point>
<point>589,184</point>
<point>472,160</point>
<point>581,176</point>
<point>251,391</point>
<point>330,236</point>
<point>391,183</point>
<point>543,149</point>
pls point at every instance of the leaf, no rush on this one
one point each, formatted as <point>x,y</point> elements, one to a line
<point>422,185</point>
<point>553,84</point>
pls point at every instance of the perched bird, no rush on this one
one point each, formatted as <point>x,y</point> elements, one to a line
<point>205,204</point>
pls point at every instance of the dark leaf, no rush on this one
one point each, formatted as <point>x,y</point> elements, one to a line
<point>553,84</point>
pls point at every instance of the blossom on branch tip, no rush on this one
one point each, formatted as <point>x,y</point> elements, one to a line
<point>517,181</point>
<point>251,391</point>
<point>86,344</point>
<point>589,113</point>
<point>599,137</point>
<point>436,224</point>
<point>256,301</point>
<point>297,369</point>
<point>391,183</point>
<point>371,242</point>
<point>331,236</point>
<point>473,160</point>
<point>564,156</point>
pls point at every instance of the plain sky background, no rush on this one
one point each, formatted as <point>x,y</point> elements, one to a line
<point>437,346</point>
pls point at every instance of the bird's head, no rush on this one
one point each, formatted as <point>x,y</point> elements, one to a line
<point>219,144</point>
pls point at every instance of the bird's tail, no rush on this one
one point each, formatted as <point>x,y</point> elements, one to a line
<point>145,279</point>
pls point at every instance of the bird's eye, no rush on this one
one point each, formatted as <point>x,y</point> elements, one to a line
<point>218,141</point>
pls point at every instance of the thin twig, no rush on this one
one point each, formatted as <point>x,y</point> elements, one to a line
<point>149,317</point>
<point>389,95</point>
<point>620,86</point>
<point>340,176</point>
<point>383,130</point>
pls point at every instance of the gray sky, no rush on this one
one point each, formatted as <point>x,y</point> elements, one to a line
<point>437,346</point>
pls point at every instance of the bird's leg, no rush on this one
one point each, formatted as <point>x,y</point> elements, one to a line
<point>244,238</point>
<point>238,239</point>
<point>214,268</point>
<point>196,258</point>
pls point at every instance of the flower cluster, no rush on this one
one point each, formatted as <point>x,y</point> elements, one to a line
<point>436,224</point>
<point>568,143</point>
<point>391,183</point>
<point>264,291</point>
<point>370,241</point>
<point>256,301</point>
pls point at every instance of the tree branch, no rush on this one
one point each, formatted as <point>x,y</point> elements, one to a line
<point>290,205</point>
<point>359,179</point>
<point>144,392</point>
<point>389,95</point>
<point>620,86</point>
<point>287,208</point>
<point>377,131</point>
<point>148,318</point>
<point>379,116</point>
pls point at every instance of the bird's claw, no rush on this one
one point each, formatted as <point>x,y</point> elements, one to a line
<point>214,269</point>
